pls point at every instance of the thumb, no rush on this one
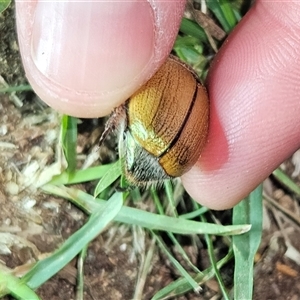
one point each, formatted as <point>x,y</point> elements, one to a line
<point>84,58</point>
<point>254,92</point>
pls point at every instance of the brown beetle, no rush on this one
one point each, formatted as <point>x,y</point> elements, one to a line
<point>163,126</point>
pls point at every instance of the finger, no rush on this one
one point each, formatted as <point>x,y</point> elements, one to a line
<point>254,93</point>
<point>84,58</point>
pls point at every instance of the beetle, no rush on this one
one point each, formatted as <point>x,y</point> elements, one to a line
<point>163,126</point>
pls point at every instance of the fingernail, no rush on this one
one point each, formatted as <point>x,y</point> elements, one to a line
<point>81,45</point>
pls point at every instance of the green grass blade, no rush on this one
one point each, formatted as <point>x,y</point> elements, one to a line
<point>213,262</point>
<point>170,234</point>
<point>79,176</point>
<point>246,245</point>
<point>228,13</point>
<point>69,140</point>
<point>185,41</point>
<point>4,5</point>
<point>109,178</point>
<point>195,213</point>
<point>45,269</point>
<point>194,285</point>
<point>133,216</point>
<point>18,88</point>
<point>80,273</point>
<point>9,284</point>
<point>181,286</point>
<point>224,13</point>
<point>192,29</point>
<point>288,182</point>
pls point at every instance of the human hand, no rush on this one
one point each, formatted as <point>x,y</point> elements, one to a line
<point>255,105</point>
<point>253,83</point>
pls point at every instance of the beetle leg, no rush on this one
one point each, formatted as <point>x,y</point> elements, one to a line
<point>116,118</point>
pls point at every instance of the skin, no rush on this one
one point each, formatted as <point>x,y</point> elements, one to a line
<point>253,83</point>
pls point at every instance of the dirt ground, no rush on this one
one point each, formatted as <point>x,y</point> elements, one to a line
<point>33,223</point>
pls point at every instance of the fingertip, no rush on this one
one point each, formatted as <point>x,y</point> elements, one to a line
<point>83,59</point>
<point>254,121</point>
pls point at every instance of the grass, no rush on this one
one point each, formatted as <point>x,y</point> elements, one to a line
<point>196,46</point>
<point>245,246</point>
<point>4,5</point>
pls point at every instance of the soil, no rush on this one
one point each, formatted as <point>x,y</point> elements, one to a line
<point>33,224</point>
